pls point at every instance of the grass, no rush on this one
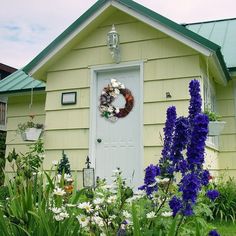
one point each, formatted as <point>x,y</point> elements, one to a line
<point>225,228</point>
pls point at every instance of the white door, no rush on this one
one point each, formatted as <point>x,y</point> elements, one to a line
<point>119,144</point>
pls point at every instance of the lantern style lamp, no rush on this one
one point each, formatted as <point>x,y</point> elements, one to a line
<point>88,175</point>
<point>113,44</point>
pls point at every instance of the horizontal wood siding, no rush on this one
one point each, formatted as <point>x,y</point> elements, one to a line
<point>18,112</point>
<point>169,66</point>
<point>227,140</point>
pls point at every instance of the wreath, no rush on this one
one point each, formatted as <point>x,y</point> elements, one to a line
<point>109,94</point>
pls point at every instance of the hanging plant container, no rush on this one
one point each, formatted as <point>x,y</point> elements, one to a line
<point>216,128</point>
<point>31,134</point>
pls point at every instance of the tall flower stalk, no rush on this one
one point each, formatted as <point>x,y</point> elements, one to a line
<point>164,163</point>
<point>195,104</point>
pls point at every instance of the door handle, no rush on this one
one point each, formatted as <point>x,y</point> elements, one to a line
<point>99,140</point>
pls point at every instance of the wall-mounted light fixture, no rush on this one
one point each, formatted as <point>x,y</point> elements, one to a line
<point>68,98</point>
<point>113,43</point>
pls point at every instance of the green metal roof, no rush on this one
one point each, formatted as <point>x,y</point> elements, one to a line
<point>145,12</point>
<point>221,32</point>
<point>19,81</point>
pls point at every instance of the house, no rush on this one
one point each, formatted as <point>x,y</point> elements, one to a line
<point>155,60</point>
<point>5,70</point>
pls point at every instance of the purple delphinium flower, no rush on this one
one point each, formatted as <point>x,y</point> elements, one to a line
<point>168,137</point>
<point>180,141</point>
<point>187,209</point>
<point>190,186</point>
<point>205,176</point>
<point>195,100</point>
<point>196,147</point>
<point>212,194</point>
<point>213,233</point>
<point>150,184</point>
<point>176,205</point>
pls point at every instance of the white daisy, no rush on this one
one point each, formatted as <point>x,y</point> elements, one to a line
<point>151,215</point>
<point>83,220</point>
<point>111,199</point>
<point>167,213</point>
<point>126,214</point>
<point>86,206</point>
<point>56,210</point>
<point>58,217</point>
<point>99,221</point>
<point>59,192</point>
<point>64,215</point>
<point>98,201</point>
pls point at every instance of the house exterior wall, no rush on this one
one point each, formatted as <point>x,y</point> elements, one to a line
<point>168,67</point>
<point>18,112</point>
<point>227,141</point>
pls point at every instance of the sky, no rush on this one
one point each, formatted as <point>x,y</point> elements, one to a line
<point>28,26</point>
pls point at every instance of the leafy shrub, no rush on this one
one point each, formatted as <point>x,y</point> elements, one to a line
<point>27,164</point>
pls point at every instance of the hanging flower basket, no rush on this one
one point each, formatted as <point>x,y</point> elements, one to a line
<point>31,134</point>
<point>29,130</point>
<point>216,128</point>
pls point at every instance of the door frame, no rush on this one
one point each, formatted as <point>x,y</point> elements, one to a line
<point>93,108</point>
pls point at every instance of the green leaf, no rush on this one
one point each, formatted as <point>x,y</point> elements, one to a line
<point>136,224</point>
<point>49,181</point>
<point>172,230</point>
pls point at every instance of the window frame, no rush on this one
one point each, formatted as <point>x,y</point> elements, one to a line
<point>3,127</point>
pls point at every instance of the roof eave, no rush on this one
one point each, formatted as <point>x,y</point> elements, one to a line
<point>24,91</point>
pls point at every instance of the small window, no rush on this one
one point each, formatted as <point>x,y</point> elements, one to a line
<point>3,112</point>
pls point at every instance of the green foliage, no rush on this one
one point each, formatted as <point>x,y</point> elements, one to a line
<point>37,209</point>
<point>212,115</point>
<point>224,207</point>
<point>224,228</point>
<point>64,165</point>
<point>27,164</point>
<point>29,124</point>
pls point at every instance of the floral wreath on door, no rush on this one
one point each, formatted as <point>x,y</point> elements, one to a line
<point>109,94</point>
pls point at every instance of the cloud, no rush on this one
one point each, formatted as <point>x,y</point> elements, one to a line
<point>27,27</point>
<point>17,31</point>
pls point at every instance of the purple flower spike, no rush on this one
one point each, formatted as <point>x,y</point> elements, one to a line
<point>149,180</point>
<point>212,194</point>
<point>168,131</point>
<point>195,150</point>
<point>190,185</point>
<point>180,141</point>
<point>196,100</point>
<point>164,162</point>
<point>175,205</point>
